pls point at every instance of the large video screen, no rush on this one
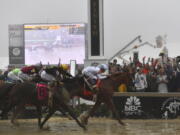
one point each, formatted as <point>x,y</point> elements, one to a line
<point>50,43</point>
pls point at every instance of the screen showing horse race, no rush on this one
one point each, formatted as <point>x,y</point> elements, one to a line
<point>50,43</point>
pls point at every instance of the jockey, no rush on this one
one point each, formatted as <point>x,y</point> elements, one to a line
<point>93,73</point>
<point>49,74</point>
<point>64,68</point>
<point>13,75</point>
<point>28,72</point>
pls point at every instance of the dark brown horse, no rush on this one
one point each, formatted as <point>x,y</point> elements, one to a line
<point>5,88</point>
<point>76,87</point>
<point>26,93</point>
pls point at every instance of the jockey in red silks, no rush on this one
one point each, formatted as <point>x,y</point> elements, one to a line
<point>28,72</point>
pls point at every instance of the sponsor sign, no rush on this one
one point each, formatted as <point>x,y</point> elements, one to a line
<point>16,44</point>
<point>170,107</point>
<point>132,106</point>
<point>147,107</point>
<point>16,35</point>
<point>16,55</point>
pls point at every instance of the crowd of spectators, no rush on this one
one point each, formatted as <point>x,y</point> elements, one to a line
<point>148,74</point>
<point>151,75</point>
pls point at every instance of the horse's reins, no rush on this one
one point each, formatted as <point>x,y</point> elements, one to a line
<point>86,82</point>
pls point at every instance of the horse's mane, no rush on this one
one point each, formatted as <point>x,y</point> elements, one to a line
<point>68,80</point>
<point>71,79</point>
<point>64,72</point>
<point>117,74</point>
<point>119,77</point>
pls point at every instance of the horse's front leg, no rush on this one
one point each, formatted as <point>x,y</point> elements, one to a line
<point>72,114</point>
<point>19,108</point>
<point>39,112</point>
<point>50,113</point>
<point>6,109</point>
<point>4,115</point>
<point>84,116</point>
<point>111,106</point>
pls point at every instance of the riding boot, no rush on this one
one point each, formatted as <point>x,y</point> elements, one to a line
<point>95,91</point>
<point>95,88</point>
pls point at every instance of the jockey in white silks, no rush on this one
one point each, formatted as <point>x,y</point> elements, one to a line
<point>49,74</point>
<point>93,73</point>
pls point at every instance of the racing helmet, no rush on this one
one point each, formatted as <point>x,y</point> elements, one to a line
<point>38,64</point>
<point>64,67</point>
<point>103,67</point>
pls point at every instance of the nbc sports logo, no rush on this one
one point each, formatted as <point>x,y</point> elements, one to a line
<point>132,106</point>
<point>133,101</point>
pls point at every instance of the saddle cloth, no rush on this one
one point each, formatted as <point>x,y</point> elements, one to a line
<point>88,90</point>
<point>42,91</point>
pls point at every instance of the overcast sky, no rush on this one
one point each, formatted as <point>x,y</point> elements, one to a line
<point>125,19</point>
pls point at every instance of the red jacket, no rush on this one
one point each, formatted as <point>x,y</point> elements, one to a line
<point>29,70</point>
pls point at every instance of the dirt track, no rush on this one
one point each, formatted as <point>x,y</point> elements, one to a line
<point>97,126</point>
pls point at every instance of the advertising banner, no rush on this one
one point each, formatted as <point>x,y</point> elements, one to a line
<point>148,107</point>
<point>16,44</point>
<point>16,35</point>
<point>16,55</point>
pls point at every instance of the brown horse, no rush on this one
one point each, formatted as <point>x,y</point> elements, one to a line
<point>76,87</point>
<point>5,88</point>
<point>26,93</point>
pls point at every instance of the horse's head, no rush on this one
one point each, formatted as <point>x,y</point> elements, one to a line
<point>63,74</point>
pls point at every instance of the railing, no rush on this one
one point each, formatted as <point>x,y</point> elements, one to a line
<point>147,94</point>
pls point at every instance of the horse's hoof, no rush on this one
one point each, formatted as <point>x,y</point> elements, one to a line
<point>83,120</point>
<point>69,117</point>
<point>45,128</point>
<point>16,124</point>
<point>40,126</point>
<point>84,128</point>
<point>122,123</point>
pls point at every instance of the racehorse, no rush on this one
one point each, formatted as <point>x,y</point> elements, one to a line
<point>5,88</point>
<point>26,93</point>
<point>76,87</point>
